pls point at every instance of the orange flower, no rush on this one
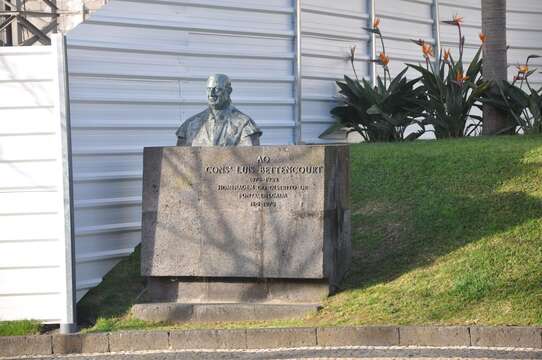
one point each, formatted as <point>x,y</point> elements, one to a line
<point>523,69</point>
<point>457,20</point>
<point>419,42</point>
<point>384,60</point>
<point>376,23</point>
<point>447,55</point>
<point>427,50</point>
<point>460,77</point>
<point>483,37</point>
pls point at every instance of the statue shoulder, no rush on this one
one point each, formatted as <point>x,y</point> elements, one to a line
<point>241,118</point>
<point>246,123</point>
<point>193,122</point>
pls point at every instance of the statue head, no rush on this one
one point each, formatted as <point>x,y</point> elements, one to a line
<point>218,91</point>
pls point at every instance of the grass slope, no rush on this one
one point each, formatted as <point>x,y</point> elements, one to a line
<point>444,232</point>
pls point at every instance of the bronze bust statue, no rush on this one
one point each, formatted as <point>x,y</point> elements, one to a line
<point>221,124</point>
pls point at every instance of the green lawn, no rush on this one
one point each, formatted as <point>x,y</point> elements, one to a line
<point>444,232</point>
<point>16,328</point>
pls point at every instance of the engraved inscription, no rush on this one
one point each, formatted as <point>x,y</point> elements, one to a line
<point>263,184</point>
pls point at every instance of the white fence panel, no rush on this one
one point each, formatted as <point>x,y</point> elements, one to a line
<point>35,228</point>
<point>137,71</point>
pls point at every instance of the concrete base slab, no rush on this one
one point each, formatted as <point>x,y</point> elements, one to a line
<point>236,290</point>
<point>211,312</point>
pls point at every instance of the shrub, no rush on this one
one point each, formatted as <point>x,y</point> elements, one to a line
<point>523,107</point>
<point>450,93</point>
<point>381,112</point>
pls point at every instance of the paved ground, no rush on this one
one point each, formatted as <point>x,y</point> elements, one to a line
<point>365,353</point>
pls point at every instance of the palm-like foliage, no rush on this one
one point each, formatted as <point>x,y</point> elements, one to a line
<point>523,107</point>
<point>381,112</point>
<point>450,92</point>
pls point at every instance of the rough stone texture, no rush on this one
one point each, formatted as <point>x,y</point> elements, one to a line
<point>224,312</point>
<point>434,336</point>
<point>94,343</point>
<point>190,228</point>
<point>208,339</point>
<point>359,336</point>
<point>280,338</point>
<point>206,312</point>
<point>236,290</point>
<point>510,336</point>
<point>26,345</point>
<point>163,312</point>
<point>138,340</point>
<point>67,344</point>
<point>351,353</point>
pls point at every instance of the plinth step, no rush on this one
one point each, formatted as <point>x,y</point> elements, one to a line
<point>211,312</point>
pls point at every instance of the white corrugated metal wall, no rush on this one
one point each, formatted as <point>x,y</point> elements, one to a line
<point>138,69</point>
<point>401,22</point>
<point>524,25</point>
<point>328,31</point>
<point>35,280</point>
<point>524,31</point>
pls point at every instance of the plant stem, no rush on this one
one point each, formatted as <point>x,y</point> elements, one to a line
<point>384,51</point>
<point>382,42</point>
<point>354,68</point>
<point>461,46</point>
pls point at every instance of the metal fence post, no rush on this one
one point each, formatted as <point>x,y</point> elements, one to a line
<point>298,137</point>
<point>371,9</point>
<point>435,13</point>
<point>69,322</point>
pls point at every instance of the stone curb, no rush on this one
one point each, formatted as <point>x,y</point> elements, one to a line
<point>435,336</point>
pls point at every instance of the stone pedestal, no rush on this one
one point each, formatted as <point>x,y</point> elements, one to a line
<point>243,226</point>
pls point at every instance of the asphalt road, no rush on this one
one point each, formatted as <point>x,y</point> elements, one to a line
<point>365,353</point>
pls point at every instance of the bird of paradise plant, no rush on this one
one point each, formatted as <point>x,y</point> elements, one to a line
<point>379,112</point>
<point>450,91</point>
<point>523,106</point>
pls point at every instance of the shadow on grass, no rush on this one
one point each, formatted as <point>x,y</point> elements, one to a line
<point>114,297</point>
<point>413,203</point>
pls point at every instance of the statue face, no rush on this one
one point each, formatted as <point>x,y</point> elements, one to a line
<point>218,92</point>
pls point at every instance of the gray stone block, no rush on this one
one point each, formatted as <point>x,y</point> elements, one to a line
<point>359,336</point>
<point>434,336</point>
<point>506,336</point>
<point>208,339</point>
<point>26,345</point>
<point>280,338</point>
<point>224,312</point>
<point>67,344</point>
<point>94,343</point>
<point>138,340</point>
<point>219,212</point>
<point>298,291</point>
<point>163,312</point>
<point>209,312</point>
<point>236,290</point>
